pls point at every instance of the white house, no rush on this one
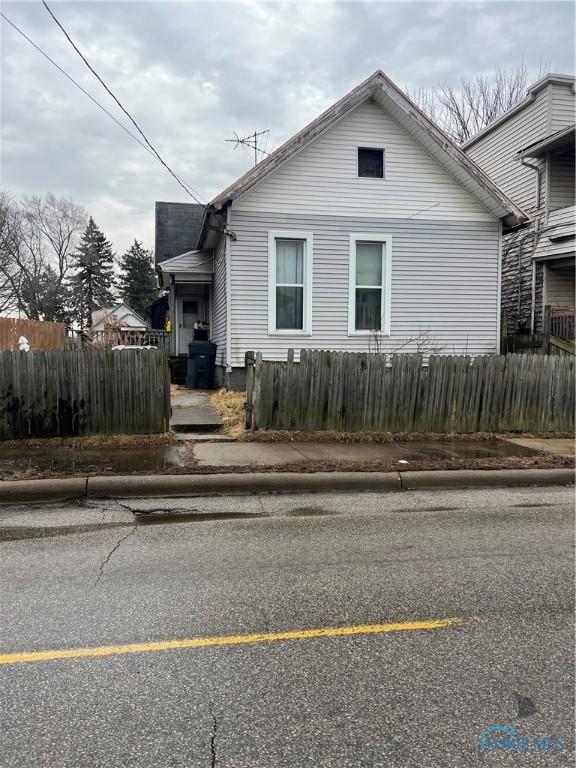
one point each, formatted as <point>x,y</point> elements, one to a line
<point>368,223</point>
<point>120,317</point>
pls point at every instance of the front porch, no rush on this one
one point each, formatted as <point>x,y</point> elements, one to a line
<point>188,279</point>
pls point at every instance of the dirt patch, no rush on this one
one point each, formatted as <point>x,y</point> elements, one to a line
<point>90,442</point>
<point>300,436</point>
<point>500,462</point>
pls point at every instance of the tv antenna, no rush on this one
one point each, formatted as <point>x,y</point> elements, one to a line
<point>251,142</point>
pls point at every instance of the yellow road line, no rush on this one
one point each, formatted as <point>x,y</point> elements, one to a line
<point>204,642</point>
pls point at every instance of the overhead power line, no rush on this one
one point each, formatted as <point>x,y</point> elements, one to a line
<point>84,91</point>
<point>184,186</point>
<point>150,149</point>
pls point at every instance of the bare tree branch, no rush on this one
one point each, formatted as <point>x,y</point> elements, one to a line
<point>464,110</point>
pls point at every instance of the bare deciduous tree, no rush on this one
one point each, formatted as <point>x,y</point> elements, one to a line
<point>423,343</point>
<point>464,110</point>
<point>37,237</point>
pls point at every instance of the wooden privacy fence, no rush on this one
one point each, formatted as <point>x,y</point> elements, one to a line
<point>355,391</point>
<point>42,335</point>
<point>83,392</point>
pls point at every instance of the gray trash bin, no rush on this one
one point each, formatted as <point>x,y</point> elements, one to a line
<point>201,363</point>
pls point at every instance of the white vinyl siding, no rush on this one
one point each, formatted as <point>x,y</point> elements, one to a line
<point>495,152</point>
<point>323,178</point>
<point>563,107</point>
<point>444,280</point>
<point>218,330</point>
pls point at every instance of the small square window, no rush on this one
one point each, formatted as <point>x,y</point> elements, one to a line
<point>371,163</point>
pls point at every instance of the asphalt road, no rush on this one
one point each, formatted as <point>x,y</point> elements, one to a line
<point>85,576</point>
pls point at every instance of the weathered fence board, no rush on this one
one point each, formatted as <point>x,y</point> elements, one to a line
<point>363,391</point>
<point>83,392</point>
<point>41,334</point>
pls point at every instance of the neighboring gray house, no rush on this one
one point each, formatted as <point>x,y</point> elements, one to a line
<point>529,152</point>
<point>369,223</point>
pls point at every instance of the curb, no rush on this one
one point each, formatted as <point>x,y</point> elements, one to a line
<point>42,490</point>
<point>480,478</point>
<point>275,482</point>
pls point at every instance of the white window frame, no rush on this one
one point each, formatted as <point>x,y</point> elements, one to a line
<point>385,287</point>
<point>290,234</point>
<point>371,178</point>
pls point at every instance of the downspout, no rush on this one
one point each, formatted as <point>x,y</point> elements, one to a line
<point>538,173</point>
<point>228,261</point>
<point>533,307</point>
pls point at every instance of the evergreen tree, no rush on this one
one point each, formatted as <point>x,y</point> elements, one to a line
<point>92,284</point>
<point>137,282</point>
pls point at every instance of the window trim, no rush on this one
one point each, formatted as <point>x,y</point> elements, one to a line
<point>290,234</point>
<point>386,287</point>
<point>371,178</point>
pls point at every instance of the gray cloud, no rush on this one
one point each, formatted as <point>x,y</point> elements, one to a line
<point>192,73</point>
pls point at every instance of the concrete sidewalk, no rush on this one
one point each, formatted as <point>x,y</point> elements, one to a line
<point>403,453</point>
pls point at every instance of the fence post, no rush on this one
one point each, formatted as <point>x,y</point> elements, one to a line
<point>546,329</point>
<point>249,362</point>
<point>256,411</point>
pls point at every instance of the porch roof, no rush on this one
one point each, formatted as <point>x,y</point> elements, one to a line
<point>199,265</point>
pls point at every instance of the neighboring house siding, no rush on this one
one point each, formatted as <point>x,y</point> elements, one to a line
<point>219,302</point>
<point>562,107</point>
<point>560,287</point>
<point>494,152</point>
<point>517,278</point>
<point>323,177</point>
<point>444,280</point>
<point>562,181</point>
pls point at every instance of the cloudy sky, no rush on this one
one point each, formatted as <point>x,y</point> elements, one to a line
<point>193,73</point>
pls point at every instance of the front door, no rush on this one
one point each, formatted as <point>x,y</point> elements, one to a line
<point>191,310</point>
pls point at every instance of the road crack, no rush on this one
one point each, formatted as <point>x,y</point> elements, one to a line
<point>114,549</point>
<point>213,757</point>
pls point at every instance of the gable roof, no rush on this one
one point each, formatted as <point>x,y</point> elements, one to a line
<point>100,315</point>
<point>379,88</point>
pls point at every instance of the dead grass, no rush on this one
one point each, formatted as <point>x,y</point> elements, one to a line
<point>230,407</point>
<point>92,441</point>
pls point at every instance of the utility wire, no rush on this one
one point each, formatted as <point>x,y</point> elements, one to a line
<point>184,186</point>
<point>84,91</point>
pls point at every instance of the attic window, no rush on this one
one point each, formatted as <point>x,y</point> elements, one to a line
<point>370,163</point>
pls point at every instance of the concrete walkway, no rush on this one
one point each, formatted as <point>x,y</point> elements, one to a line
<point>192,412</point>
<point>277,454</point>
<point>556,446</point>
